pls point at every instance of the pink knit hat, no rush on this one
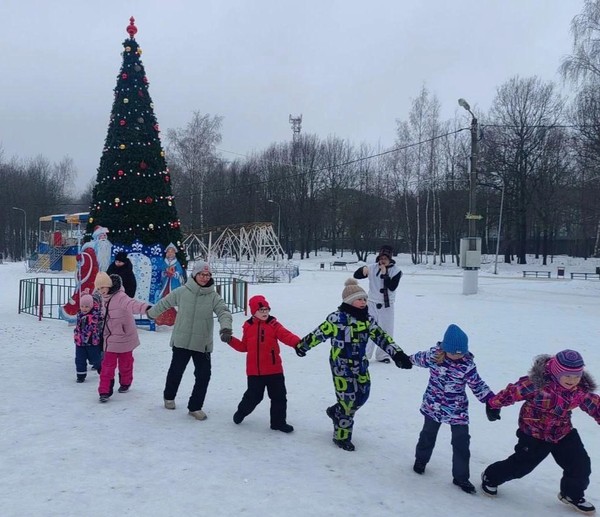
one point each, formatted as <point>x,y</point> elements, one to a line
<point>86,301</point>
<point>566,362</point>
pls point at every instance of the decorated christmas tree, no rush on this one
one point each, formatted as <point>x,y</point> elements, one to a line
<point>133,198</point>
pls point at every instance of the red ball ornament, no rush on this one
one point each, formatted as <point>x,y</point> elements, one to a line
<point>145,80</point>
<point>156,127</point>
<point>120,172</point>
<point>143,165</point>
<point>140,93</point>
<point>124,76</point>
<point>167,179</point>
<point>149,200</point>
<point>122,122</point>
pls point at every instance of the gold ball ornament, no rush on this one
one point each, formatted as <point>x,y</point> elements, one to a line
<point>125,100</point>
<point>151,226</point>
<point>122,146</point>
<point>128,49</point>
<point>117,201</point>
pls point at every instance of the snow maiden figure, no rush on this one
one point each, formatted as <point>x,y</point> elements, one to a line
<point>172,277</point>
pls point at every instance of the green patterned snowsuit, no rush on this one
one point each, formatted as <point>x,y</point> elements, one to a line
<point>348,362</point>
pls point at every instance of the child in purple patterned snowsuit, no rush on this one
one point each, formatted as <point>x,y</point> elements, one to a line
<point>554,387</point>
<point>451,369</point>
<point>88,335</point>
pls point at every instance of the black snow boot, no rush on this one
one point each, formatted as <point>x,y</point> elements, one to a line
<point>347,445</point>
<point>284,428</point>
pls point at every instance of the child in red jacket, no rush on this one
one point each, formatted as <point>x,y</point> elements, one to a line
<point>260,336</point>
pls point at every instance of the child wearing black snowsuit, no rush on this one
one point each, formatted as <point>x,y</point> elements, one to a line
<point>350,328</point>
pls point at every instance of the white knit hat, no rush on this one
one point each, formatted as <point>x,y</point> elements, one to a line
<point>102,280</point>
<point>200,267</point>
<point>352,291</point>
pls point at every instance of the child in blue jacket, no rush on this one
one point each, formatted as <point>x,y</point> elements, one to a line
<point>451,370</point>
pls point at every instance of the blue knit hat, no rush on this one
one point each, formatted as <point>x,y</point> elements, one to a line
<point>455,340</point>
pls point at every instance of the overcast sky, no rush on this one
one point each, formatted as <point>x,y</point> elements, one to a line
<point>350,67</point>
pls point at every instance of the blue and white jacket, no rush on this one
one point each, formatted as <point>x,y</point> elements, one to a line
<point>445,399</point>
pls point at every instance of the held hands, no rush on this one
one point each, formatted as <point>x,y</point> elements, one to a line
<point>402,360</point>
<point>225,335</point>
<point>491,413</point>
<point>299,351</point>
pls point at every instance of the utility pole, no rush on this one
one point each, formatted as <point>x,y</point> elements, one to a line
<point>470,247</point>
<point>473,217</point>
<point>24,229</point>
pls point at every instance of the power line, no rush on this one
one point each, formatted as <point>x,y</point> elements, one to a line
<point>334,166</point>
<point>377,155</point>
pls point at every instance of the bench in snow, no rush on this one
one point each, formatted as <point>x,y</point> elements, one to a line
<point>585,275</point>
<point>537,274</point>
<point>338,263</point>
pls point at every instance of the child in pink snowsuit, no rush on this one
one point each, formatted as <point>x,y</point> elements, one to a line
<point>120,334</point>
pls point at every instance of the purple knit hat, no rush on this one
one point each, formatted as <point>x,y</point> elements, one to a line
<point>566,362</point>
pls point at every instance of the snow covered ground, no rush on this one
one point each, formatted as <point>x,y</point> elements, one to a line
<point>64,454</point>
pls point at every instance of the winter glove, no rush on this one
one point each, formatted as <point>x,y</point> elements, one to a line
<point>299,351</point>
<point>225,335</point>
<point>402,360</point>
<point>492,414</point>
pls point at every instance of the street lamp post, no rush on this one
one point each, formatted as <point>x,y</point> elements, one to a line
<point>24,228</point>
<point>499,228</point>
<point>471,256</point>
<point>278,219</point>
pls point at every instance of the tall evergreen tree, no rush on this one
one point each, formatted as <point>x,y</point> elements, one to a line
<point>133,197</point>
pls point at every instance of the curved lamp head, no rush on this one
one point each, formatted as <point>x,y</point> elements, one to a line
<point>464,104</point>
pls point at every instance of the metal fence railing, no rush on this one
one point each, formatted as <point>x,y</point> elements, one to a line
<point>44,296</point>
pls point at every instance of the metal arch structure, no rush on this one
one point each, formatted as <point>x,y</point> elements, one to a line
<point>248,251</point>
<point>194,247</point>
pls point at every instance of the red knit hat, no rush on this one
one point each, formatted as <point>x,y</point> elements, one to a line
<point>258,302</point>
